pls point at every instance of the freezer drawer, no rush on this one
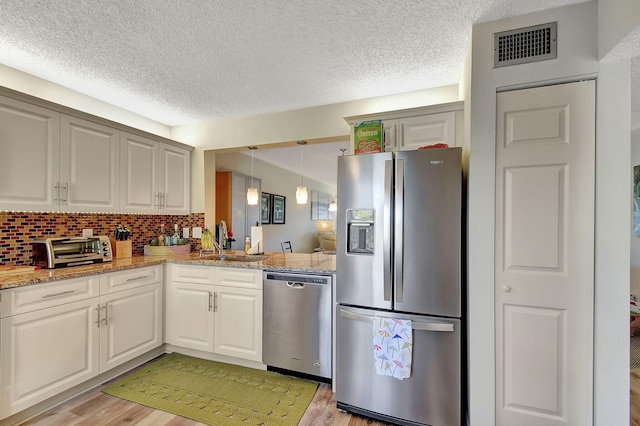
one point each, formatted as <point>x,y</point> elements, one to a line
<point>431,396</point>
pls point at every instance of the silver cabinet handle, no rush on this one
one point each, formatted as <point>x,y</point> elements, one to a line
<point>164,200</point>
<point>62,293</point>
<point>65,187</point>
<point>136,278</point>
<point>215,301</point>
<point>210,301</point>
<point>106,314</point>
<point>98,314</point>
<point>56,188</point>
<point>415,325</point>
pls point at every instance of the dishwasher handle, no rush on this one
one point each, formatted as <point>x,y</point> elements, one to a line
<point>295,285</point>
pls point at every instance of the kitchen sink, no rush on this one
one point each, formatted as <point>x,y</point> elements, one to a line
<point>235,257</point>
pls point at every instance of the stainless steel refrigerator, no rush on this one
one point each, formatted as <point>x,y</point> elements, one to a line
<point>399,254</point>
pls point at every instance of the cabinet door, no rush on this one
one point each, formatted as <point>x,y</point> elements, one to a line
<point>138,174</point>
<point>131,324</point>
<point>174,179</point>
<point>89,166</point>
<point>45,352</point>
<point>415,132</point>
<point>389,129</point>
<point>238,322</point>
<point>189,315</point>
<point>29,156</point>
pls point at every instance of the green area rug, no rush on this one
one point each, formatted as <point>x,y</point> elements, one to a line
<point>216,393</point>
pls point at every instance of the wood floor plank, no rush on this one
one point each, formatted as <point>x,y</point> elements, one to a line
<point>131,415</point>
<point>634,405</point>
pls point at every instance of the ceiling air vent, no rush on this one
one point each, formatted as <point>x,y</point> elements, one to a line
<point>524,45</point>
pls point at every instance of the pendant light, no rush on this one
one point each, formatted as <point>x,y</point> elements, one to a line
<point>301,191</point>
<point>252,192</point>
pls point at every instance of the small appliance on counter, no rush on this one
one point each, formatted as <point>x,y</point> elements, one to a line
<point>58,252</point>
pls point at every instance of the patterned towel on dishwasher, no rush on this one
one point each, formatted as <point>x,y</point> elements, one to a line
<point>392,347</point>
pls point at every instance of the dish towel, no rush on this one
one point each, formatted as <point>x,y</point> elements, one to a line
<point>392,347</point>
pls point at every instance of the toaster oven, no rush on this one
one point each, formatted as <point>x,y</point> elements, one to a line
<point>57,252</point>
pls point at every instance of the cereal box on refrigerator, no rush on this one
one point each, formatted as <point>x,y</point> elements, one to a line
<point>368,137</point>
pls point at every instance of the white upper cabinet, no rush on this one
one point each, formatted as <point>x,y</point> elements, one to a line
<point>53,160</point>
<point>175,179</point>
<point>410,129</point>
<point>155,176</point>
<point>89,172</point>
<point>414,132</point>
<point>29,156</point>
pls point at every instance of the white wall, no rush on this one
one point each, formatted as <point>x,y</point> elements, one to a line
<point>577,50</point>
<point>613,186</point>
<point>321,122</point>
<point>34,86</point>
<point>616,19</point>
<point>298,227</point>
<point>635,241</point>
<point>308,123</point>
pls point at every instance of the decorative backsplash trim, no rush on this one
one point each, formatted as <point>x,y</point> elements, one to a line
<point>18,229</point>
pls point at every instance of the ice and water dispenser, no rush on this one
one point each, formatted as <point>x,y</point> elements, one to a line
<point>360,231</point>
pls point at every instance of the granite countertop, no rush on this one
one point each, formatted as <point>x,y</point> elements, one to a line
<point>318,263</point>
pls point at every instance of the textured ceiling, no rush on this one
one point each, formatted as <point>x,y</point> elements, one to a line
<point>183,61</point>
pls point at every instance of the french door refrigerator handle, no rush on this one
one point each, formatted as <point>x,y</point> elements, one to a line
<point>415,325</point>
<point>398,230</point>
<point>386,243</point>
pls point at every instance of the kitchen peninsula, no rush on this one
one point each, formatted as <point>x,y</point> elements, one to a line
<point>98,321</point>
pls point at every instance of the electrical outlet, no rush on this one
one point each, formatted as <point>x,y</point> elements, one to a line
<point>197,232</point>
<point>87,232</point>
<point>185,232</point>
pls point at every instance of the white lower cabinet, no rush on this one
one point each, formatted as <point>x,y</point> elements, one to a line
<point>222,319</point>
<point>189,315</point>
<point>238,322</point>
<point>45,352</point>
<point>131,324</point>
<point>50,341</point>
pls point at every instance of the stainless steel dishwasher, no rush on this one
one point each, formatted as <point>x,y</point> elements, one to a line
<point>296,332</point>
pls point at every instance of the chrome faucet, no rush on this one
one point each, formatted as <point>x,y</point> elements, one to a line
<point>222,236</point>
<point>218,247</point>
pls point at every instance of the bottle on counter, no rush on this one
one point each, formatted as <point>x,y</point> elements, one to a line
<point>247,245</point>
<point>176,235</point>
<point>161,236</point>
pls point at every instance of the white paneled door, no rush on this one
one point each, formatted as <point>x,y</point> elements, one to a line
<point>545,171</point>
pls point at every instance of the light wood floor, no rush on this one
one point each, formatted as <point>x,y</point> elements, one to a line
<point>635,398</point>
<point>96,408</point>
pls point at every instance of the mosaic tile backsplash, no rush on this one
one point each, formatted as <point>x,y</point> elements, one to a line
<point>18,229</point>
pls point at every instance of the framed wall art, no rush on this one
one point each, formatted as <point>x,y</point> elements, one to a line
<point>265,208</point>
<point>278,208</point>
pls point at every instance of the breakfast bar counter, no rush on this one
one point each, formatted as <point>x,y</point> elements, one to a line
<point>319,263</point>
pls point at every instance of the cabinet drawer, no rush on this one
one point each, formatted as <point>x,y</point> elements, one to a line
<point>191,273</point>
<point>131,278</point>
<point>34,297</point>
<point>237,277</point>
